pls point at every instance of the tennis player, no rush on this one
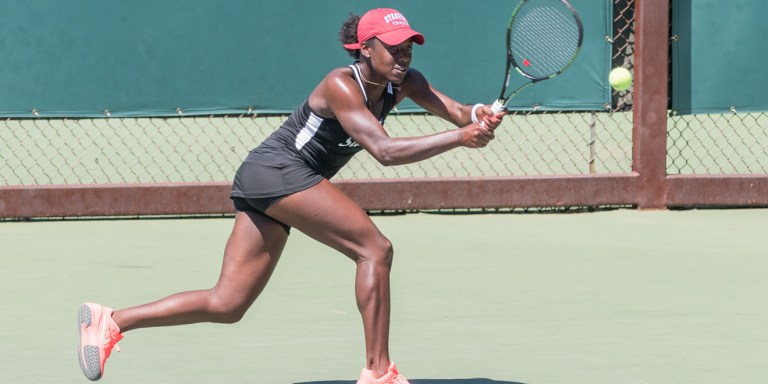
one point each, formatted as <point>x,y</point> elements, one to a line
<point>283,183</point>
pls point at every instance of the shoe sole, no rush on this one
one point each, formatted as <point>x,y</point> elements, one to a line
<point>88,355</point>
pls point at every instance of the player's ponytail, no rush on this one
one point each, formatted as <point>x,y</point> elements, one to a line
<point>348,34</point>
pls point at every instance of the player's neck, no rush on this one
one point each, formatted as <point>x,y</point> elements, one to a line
<point>365,78</point>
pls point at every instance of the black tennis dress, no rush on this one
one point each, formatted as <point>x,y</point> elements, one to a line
<point>304,150</point>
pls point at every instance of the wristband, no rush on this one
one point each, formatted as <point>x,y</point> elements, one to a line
<point>474,112</point>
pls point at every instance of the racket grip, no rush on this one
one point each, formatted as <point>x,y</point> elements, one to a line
<point>497,106</point>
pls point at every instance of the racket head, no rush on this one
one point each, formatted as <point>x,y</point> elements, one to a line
<point>543,39</point>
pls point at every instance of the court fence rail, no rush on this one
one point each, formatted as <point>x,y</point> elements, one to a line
<point>635,153</point>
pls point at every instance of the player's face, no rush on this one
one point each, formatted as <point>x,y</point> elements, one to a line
<point>392,61</point>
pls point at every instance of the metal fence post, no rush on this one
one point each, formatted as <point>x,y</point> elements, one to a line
<point>649,149</point>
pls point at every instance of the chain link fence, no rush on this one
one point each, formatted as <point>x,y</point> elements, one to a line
<point>199,149</point>
<point>718,144</point>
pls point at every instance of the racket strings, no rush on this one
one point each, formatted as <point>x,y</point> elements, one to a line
<point>544,40</point>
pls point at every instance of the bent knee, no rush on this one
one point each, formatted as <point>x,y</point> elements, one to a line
<point>227,311</point>
<point>380,252</point>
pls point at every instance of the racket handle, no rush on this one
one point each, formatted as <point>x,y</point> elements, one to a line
<point>497,106</point>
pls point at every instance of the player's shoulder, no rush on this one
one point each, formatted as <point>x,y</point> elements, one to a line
<point>344,72</point>
<point>414,75</point>
<point>338,87</point>
<point>340,79</point>
<point>414,81</point>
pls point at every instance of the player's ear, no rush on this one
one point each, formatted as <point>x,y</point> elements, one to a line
<point>365,48</point>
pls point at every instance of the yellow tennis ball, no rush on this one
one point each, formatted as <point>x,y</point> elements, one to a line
<point>620,79</point>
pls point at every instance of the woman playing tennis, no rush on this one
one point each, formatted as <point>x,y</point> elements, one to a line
<point>283,183</point>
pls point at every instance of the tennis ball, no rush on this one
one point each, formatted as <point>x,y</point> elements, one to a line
<point>620,79</point>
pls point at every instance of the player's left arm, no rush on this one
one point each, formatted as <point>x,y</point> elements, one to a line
<point>417,88</point>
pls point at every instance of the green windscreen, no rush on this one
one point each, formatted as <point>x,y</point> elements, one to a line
<point>719,55</point>
<point>87,58</point>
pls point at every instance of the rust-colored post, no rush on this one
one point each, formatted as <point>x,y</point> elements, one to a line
<point>649,137</point>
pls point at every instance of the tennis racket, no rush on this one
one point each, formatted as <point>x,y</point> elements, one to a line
<point>543,40</point>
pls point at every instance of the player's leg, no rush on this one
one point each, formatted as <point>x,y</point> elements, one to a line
<point>250,257</point>
<point>326,214</point>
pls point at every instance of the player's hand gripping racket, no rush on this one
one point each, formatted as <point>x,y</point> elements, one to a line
<point>543,39</point>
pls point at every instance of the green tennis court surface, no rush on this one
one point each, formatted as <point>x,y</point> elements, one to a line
<point>617,297</point>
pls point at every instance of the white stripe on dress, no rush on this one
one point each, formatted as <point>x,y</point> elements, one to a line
<point>308,130</point>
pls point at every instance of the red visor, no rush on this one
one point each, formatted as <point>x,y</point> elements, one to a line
<point>386,24</point>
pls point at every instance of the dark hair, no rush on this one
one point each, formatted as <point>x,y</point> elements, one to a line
<point>348,34</point>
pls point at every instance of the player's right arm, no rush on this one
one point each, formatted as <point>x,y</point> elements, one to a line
<point>339,95</point>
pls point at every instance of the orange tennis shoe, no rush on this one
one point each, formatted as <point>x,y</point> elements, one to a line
<point>98,335</point>
<point>391,377</point>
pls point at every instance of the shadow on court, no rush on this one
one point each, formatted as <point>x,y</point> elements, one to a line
<point>426,381</point>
